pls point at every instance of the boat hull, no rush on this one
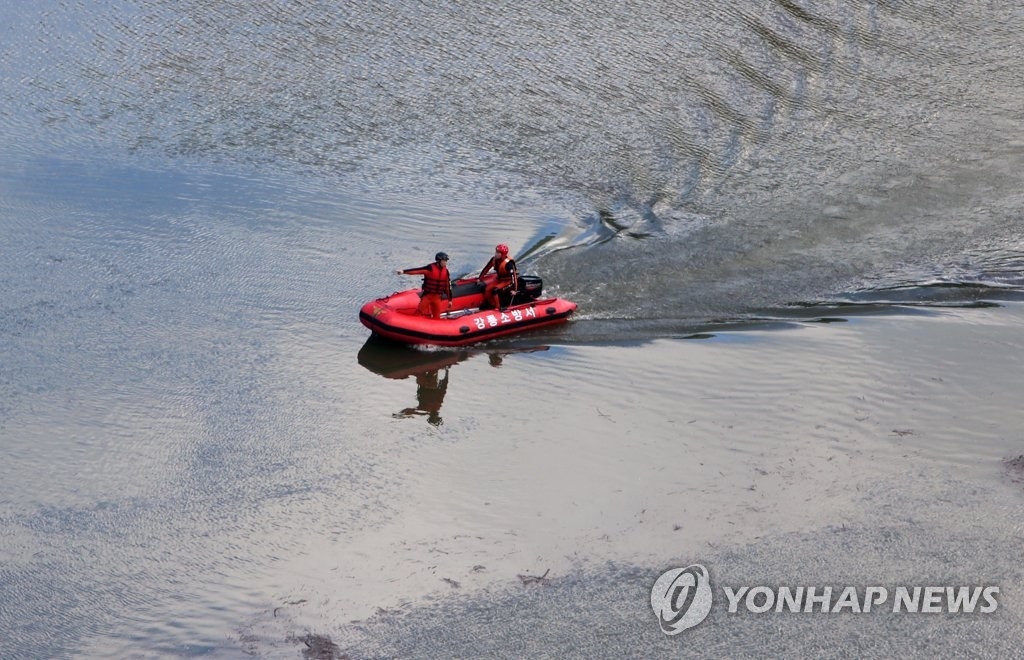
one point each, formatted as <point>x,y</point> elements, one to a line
<point>394,317</point>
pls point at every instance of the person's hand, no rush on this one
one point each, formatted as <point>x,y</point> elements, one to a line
<point>398,272</point>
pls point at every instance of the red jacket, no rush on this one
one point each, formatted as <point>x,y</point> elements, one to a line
<point>505,268</point>
<point>436,278</point>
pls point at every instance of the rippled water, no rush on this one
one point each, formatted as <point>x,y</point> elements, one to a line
<point>804,147</point>
<point>195,198</point>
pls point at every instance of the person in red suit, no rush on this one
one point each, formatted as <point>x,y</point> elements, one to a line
<point>437,286</point>
<point>508,276</point>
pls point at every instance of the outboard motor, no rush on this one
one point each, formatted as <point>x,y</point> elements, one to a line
<point>530,287</point>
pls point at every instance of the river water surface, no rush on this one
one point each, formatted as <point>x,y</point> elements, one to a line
<point>793,232</point>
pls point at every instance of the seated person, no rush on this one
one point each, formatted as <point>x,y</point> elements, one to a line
<point>508,277</point>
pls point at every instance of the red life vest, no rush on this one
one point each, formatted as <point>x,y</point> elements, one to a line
<point>436,279</point>
<point>504,269</point>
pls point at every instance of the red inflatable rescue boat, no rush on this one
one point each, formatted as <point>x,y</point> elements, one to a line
<point>394,317</point>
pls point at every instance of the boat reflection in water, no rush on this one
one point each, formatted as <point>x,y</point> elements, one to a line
<point>430,369</point>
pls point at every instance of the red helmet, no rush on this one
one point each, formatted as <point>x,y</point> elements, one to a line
<point>502,248</point>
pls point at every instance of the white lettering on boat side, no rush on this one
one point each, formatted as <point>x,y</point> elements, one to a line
<point>511,316</point>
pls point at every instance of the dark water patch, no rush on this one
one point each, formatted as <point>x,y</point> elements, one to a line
<point>630,331</point>
<point>798,12</point>
<point>938,294</point>
<point>786,46</point>
<point>894,304</point>
<point>320,647</point>
<point>393,360</point>
<point>1015,467</point>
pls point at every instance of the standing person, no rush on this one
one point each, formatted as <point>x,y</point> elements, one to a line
<point>508,276</point>
<point>436,282</point>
